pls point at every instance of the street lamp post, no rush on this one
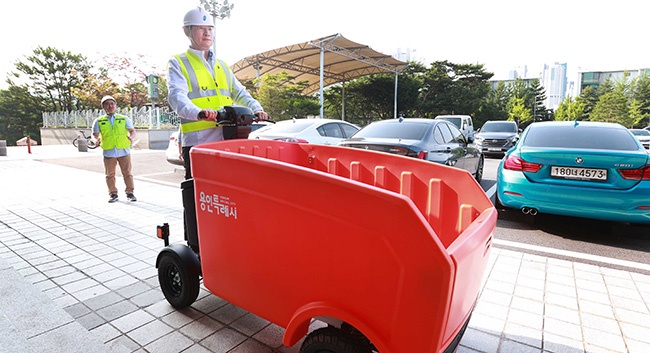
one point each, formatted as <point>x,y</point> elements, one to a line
<point>218,10</point>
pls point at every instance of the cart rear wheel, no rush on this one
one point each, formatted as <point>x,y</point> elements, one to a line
<point>332,340</point>
<point>179,286</point>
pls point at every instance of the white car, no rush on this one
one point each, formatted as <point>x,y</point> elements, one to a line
<point>317,131</point>
<point>173,152</point>
<point>643,136</point>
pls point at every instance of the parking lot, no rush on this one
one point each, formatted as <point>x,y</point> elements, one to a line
<point>81,276</point>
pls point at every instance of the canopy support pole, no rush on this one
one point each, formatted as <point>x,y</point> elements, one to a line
<point>343,100</point>
<point>395,102</point>
<point>322,64</point>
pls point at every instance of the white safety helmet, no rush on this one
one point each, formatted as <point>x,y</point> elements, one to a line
<point>198,17</point>
<point>105,98</point>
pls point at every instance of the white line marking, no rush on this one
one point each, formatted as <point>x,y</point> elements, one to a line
<point>491,190</point>
<point>575,255</point>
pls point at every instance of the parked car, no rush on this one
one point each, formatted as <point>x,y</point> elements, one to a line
<point>318,131</point>
<point>496,137</point>
<point>643,136</point>
<point>434,140</point>
<point>581,169</point>
<point>463,122</point>
<point>173,151</point>
<point>172,154</point>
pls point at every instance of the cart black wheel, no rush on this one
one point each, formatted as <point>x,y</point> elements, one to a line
<point>332,340</point>
<point>74,142</point>
<point>179,286</point>
<point>92,144</point>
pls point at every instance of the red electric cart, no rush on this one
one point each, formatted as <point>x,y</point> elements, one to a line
<point>389,251</point>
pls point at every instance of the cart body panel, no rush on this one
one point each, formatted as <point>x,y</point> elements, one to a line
<point>392,245</point>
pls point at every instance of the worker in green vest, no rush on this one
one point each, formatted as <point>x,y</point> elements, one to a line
<point>115,133</point>
<point>198,82</point>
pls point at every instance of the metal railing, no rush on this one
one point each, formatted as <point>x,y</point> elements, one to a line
<point>145,117</point>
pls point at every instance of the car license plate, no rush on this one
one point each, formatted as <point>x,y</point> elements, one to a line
<point>493,149</point>
<point>579,173</point>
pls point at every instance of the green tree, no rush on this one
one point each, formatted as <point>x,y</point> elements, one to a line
<point>570,109</point>
<point>535,97</point>
<point>20,114</point>
<point>495,105</point>
<point>636,114</point>
<point>282,99</point>
<point>588,98</point>
<point>51,75</point>
<point>449,88</point>
<point>518,112</point>
<point>641,94</point>
<point>93,87</point>
<point>613,105</point>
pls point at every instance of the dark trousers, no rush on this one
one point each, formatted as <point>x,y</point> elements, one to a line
<point>186,162</point>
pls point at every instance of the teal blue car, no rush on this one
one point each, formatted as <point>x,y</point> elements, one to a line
<point>577,168</point>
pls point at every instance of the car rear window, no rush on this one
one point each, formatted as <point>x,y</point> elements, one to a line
<point>403,130</point>
<point>499,127</point>
<point>455,121</point>
<point>582,137</point>
<point>292,126</point>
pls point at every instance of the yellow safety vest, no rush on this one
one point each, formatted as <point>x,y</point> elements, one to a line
<point>115,135</point>
<point>204,90</point>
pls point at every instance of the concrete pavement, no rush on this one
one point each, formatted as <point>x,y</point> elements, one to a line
<point>78,275</point>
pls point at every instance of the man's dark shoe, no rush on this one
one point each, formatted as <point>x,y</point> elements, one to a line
<point>113,198</point>
<point>131,197</point>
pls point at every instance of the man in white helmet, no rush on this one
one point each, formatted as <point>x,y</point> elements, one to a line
<point>200,83</point>
<point>116,134</point>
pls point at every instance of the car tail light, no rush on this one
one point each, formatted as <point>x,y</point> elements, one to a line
<point>642,173</point>
<point>422,155</point>
<point>291,139</point>
<point>399,150</point>
<point>519,164</point>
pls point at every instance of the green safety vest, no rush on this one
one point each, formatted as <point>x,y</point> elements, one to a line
<point>115,135</point>
<point>204,90</point>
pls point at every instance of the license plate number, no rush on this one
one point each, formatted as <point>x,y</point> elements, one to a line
<point>579,173</point>
<point>493,149</point>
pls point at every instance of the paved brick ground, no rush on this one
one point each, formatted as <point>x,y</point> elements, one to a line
<point>78,275</point>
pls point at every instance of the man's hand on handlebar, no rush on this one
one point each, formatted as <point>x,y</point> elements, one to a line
<point>261,115</point>
<point>208,114</point>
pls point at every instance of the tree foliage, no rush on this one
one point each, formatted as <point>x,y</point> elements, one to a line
<point>51,75</point>
<point>54,80</point>
<point>281,98</point>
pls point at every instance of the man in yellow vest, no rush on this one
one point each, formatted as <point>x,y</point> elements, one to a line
<point>198,82</point>
<point>115,132</point>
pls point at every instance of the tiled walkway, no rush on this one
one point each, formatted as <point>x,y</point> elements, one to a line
<point>78,275</point>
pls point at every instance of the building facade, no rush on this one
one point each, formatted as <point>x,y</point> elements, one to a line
<point>596,78</point>
<point>555,83</point>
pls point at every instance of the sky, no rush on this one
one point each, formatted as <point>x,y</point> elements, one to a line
<point>500,34</point>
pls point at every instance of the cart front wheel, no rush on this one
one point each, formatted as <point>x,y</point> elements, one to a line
<point>332,340</point>
<point>179,286</point>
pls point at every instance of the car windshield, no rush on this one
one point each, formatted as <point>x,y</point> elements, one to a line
<point>582,137</point>
<point>403,130</point>
<point>499,127</point>
<point>455,121</point>
<point>641,132</point>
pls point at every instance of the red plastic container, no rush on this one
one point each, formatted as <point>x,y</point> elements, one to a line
<point>392,245</point>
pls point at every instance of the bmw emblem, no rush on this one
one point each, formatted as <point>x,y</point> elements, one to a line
<point>579,160</point>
